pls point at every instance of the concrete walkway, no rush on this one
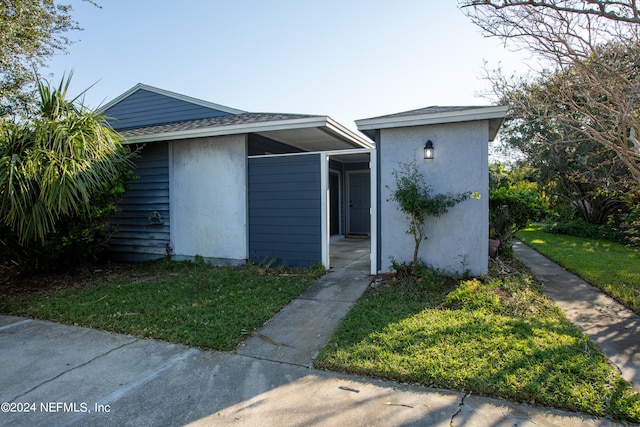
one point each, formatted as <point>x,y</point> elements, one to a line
<point>613,327</point>
<point>58,375</point>
<point>298,332</point>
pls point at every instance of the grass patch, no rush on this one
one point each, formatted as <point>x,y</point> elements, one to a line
<point>190,303</point>
<point>610,266</point>
<point>498,336</point>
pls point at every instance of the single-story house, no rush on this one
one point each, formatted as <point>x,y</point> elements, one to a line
<point>231,186</point>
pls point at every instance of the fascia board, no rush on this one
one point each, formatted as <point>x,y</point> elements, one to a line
<point>307,122</point>
<point>484,113</point>
<point>185,98</point>
<point>340,152</point>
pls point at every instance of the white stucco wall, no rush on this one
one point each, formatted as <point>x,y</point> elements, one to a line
<point>208,194</point>
<point>457,241</point>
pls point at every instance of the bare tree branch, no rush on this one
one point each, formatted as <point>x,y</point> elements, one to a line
<point>622,11</point>
<point>593,50</point>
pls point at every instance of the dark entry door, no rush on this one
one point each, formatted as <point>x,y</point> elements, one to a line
<point>359,203</point>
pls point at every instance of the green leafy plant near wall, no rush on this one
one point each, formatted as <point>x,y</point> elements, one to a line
<point>414,199</point>
<point>61,173</point>
<point>511,210</point>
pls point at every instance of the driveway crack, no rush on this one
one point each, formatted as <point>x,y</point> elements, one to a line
<point>72,369</point>
<point>460,406</point>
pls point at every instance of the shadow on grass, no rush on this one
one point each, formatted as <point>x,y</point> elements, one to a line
<point>403,336</point>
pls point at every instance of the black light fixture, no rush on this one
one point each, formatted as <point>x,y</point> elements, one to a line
<point>428,150</point>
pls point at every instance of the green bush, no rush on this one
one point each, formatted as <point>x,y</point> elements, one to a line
<point>510,211</point>
<point>79,240</point>
<point>630,226</point>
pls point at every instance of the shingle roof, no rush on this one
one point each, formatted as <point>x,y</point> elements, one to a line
<point>228,120</point>
<point>435,109</point>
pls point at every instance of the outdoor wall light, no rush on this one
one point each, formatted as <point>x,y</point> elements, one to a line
<point>428,150</point>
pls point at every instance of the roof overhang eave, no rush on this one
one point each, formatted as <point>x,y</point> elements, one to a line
<point>483,113</point>
<point>346,134</point>
<point>324,122</point>
<point>494,127</point>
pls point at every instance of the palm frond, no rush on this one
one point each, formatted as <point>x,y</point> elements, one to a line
<point>53,165</point>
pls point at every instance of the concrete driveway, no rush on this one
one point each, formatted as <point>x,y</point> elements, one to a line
<point>58,375</point>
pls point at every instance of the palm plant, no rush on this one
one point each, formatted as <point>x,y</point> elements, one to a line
<point>52,165</point>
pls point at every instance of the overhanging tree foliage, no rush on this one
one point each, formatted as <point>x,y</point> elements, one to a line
<point>571,167</point>
<point>558,30</point>
<point>31,31</point>
<point>593,50</point>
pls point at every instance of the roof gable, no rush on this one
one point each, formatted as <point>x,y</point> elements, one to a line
<point>147,106</point>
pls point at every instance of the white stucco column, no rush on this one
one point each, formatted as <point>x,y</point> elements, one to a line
<point>209,198</point>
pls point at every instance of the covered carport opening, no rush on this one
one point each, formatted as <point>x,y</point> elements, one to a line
<point>308,187</point>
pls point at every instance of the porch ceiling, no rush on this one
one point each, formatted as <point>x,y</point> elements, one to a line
<point>311,139</point>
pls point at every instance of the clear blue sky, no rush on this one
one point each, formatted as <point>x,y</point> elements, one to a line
<point>346,59</point>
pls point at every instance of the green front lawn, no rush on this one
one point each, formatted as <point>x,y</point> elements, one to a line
<point>188,303</point>
<point>612,267</point>
<point>499,336</point>
<point>496,336</point>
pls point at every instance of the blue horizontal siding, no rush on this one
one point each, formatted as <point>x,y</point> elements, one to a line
<point>146,108</point>
<point>291,214</point>
<point>136,239</point>
<point>276,218</point>
<point>282,195</point>
<point>285,210</point>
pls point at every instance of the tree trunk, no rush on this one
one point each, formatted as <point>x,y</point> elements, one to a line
<point>418,235</point>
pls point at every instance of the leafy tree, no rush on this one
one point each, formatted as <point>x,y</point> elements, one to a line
<point>571,168</point>
<point>517,176</point>
<point>414,199</point>
<point>31,31</point>
<point>593,50</point>
<point>59,171</point>
<point>510,211</point>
